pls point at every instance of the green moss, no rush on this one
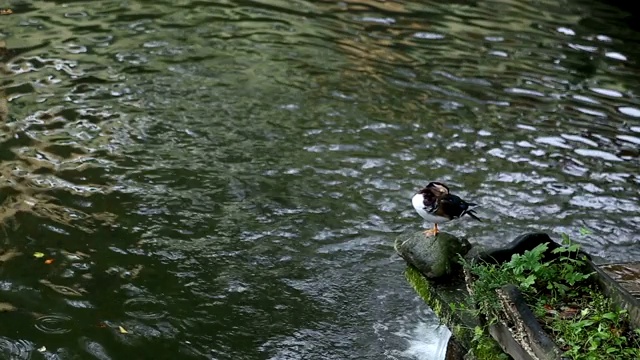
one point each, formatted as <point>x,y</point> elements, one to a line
<point>422,286</point>
<point>419,284</point>
<point>449,312</point>
<point>460,332</point>
<point>485,348</point>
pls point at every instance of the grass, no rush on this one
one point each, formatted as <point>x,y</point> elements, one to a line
<point>566,301</point>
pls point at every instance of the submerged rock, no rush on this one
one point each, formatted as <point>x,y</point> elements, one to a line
<point>433,256</point>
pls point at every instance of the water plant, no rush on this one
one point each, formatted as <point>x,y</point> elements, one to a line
<point>558,287</point>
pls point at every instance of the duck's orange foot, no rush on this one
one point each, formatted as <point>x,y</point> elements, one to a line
<point>431,232</point>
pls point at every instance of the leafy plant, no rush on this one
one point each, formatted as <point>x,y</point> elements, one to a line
<point>567,304</point>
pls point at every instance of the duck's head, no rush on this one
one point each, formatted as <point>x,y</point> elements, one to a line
<point>431,193</point>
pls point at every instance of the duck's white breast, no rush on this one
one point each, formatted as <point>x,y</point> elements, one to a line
<point>418,203</point>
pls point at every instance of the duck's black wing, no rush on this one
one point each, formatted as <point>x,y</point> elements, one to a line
<point>452,206</point>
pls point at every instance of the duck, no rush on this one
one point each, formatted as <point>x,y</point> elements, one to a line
<point>437,205</point>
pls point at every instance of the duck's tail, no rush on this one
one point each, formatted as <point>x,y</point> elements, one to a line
<point>472,212</point>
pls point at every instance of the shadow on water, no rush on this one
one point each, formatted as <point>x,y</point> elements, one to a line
<point>224,179</point>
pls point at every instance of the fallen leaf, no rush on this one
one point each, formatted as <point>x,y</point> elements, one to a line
<point>6,307</point>
<point>122,330</point>
<point>6,11</point>
<point>616,331</point>
<point>550,310</point>
<point>38,254</point>
<point>42,349</point>
<point>568,312</point>
<point>8,254</point>
<point>48,261</point>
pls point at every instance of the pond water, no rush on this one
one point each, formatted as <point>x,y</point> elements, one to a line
<point>224,179</point>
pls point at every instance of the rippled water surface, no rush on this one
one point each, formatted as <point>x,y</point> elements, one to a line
<point>224,179</point>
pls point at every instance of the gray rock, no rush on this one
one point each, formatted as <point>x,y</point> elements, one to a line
<point>433,256</point>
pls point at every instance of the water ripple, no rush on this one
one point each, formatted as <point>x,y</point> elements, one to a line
<point>145,308</point>
<point>54,324</point>
<point>195,170</point>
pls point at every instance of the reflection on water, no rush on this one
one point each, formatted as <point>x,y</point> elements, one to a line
<point>225,179</point>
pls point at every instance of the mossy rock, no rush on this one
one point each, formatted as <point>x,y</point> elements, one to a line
<point>434,256</point>
<point>444,299</point>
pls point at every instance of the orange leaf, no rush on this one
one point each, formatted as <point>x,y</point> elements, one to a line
<point>48,261</point>
<point>6,12</point>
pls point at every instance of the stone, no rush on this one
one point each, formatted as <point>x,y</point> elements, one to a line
<point>434,256</point>
<point>440,295</point>
<point>524,338</point>
<point>519,245</point>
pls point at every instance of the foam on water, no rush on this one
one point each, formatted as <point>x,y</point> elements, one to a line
<point>426,341</point>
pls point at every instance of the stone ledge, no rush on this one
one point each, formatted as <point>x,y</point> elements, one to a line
<point>435,274</point>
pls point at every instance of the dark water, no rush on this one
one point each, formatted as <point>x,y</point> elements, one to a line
<point>224,179</point>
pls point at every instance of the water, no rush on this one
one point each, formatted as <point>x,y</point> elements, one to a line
<point>224,179</point>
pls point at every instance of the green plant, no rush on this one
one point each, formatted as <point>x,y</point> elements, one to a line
<point>485,347</point>
<point>569,306</point>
